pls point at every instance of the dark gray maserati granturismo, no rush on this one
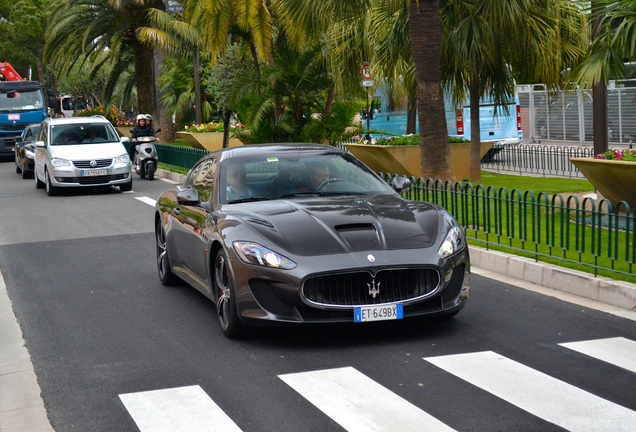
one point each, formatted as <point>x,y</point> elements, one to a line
<point>300,233</point>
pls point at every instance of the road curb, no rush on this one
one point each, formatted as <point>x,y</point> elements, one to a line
<point>601,289</point>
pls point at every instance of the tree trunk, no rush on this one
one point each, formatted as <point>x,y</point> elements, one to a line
<point>475,131</point>
<point>227,114</point>
<point>411,111</point>
<point>164,117</point>
<point>143,77</point>
<point>425,33</point>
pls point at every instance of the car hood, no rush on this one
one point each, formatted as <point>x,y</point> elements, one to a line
<point>342,224</point>
<point>88,151</point>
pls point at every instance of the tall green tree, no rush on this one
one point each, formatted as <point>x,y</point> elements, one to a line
<point>81,30</point>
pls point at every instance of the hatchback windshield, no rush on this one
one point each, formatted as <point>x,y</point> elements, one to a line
<point>83,133</point>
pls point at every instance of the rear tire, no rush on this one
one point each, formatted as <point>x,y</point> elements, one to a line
<point>26,174</point>
<point>18,170</point>
<point>225,294</point>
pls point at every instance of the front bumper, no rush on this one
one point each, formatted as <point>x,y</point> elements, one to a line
<point>71,176</point>
<point>279,296</point>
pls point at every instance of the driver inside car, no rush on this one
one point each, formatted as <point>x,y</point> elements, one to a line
<point>318,173</point>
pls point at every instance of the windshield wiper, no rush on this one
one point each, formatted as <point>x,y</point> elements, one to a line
<point>250,199</point>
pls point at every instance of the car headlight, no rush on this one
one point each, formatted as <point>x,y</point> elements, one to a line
<point>453,242</point>
<point>29,153</point>
<point>123,159</point>
<point>253,253</point>
<point>57,162</point>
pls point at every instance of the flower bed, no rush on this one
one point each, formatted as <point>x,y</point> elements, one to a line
<point>210,127</point>
<point>621,155</point>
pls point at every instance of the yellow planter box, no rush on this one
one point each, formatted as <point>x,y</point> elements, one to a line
<point>207,140</point>
<point>614,179</point>
<point>124,131</point>
<point>406,159</point>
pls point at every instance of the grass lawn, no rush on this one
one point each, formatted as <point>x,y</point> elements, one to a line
<point>550,185</point>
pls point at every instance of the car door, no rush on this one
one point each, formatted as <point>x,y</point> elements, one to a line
<point>192,222</point>
<point>40,152</point>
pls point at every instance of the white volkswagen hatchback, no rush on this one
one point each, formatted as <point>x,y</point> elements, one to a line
<point>80,152</point>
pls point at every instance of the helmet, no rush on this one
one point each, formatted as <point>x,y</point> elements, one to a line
<point>141,117</point>
<point>148,117</point>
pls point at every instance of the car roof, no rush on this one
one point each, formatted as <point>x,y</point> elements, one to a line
<point>77,120</point>
<point>271,148</point>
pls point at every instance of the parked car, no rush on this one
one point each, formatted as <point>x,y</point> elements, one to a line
<point>307,234</point>
<point>80,152</point>
<point>24,150</point>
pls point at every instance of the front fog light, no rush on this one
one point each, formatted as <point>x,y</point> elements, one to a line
<point>452,243</point>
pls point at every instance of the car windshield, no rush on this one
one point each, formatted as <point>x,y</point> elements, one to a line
<point>21,101</point>
<point>83,133</point>
<point>297,175</point>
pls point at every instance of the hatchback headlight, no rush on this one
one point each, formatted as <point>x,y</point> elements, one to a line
<point>253,253</point>
<point>123,159</point>
<point>57,162</point>
<point>453,242</point>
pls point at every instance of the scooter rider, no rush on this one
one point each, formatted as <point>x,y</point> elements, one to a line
<point>141,129</point>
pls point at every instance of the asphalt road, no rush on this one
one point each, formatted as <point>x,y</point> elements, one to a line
<point>114,350</point>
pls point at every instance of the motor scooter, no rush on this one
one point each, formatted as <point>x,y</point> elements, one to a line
<point>146,160</point>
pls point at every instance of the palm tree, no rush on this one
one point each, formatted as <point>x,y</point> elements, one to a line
<point>81,30</point>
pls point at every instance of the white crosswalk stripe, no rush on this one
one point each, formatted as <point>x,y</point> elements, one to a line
<point>617,351</point>
<point>537,393</point>
<point>178,409</point>
<point>147,200</point>
<point>357,403</point>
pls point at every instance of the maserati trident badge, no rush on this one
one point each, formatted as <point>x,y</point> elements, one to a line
<point>374,289</point>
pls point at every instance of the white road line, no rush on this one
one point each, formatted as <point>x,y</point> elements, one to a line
<point>618,351</point>
<point>178,409</point>
<point>357,403</point>
<point>147,200</point>
<point>539,394</point>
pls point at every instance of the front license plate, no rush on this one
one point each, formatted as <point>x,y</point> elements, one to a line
<point>92,173</point>
<point>378,313</point>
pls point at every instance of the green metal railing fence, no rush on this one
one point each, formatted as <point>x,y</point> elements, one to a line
<point>178,158</point>
<point>592,236</point>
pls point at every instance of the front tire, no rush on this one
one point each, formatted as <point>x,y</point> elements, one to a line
<point>50,189</point>
<point>126,187</point>
<point>225,297</point>
<point>164,269</point>
<point>151,171</point>
<point>38,182</point>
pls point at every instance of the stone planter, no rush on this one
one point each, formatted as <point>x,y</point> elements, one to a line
<point>406,160</point>
<point>124,131</point>
<point>613,179</point>
<point>207,140</point>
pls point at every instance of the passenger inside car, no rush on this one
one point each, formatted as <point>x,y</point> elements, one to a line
<point>236,183</point>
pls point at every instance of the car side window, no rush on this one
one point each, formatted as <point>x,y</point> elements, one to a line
<point>202,178</point>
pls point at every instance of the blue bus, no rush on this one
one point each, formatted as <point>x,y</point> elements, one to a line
<point>502,125</point>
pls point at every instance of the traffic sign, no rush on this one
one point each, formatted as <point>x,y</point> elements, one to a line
<point>367,83</point>
<point>366,72</point>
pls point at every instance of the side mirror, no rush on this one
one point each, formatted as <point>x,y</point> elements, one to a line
<point>188,196</point>
<point>40,144</point>
<point>124,140</point>
<point>400,184</point>
<point>158,130</point>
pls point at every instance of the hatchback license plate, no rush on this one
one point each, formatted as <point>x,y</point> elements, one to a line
<point>93,173</point>
<point>378,313</point>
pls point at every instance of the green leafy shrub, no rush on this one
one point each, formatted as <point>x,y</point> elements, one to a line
<point>411,140</point>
